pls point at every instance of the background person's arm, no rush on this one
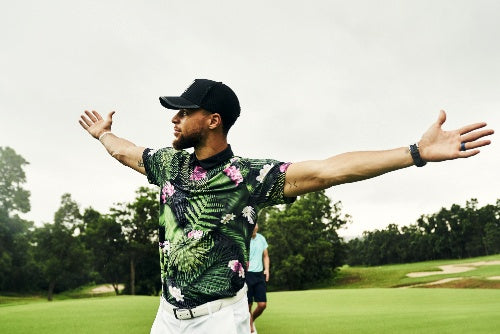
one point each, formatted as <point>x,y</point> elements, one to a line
<point>435,145</point>
<point>267,262</point>
<point>121,149</point>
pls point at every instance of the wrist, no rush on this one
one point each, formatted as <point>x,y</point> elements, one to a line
<point>102,135</point>
<point>415,155</point>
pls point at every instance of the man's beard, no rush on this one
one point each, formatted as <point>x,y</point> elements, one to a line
<point>183,142</point>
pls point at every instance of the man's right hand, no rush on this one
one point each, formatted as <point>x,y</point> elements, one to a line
<point>94,124</point>
<point>121,149</point>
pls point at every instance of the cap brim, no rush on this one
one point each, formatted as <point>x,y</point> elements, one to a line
<point>177,102</point>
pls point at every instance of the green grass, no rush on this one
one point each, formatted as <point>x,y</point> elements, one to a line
<point>390,276</point>
<point>363,302</point>
<point>382,311</point>
<point>122,314</point>
<point>17,299</point>
<point>81,292</point>
<point>316,311</point>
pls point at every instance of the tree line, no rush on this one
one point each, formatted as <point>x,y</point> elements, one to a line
<point>454,233</point>
<point>121,246</point>
<point>77,247</point>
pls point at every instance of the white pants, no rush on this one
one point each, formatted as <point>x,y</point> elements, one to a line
<point>232,319</point>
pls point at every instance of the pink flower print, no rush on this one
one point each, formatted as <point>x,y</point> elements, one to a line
<point>284,167</point>
<point>234,174</point>
<point>168,190</point>
<point>198,173</point>
<point>237,267</point>
<point>195,234</point>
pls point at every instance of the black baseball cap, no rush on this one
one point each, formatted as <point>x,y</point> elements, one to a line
<point>210,95</point>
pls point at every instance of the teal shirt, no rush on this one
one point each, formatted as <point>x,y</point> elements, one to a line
<point>257,246</point>
<point>207,214</point>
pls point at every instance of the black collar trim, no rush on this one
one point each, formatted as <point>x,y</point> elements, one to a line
<point>214,160</point>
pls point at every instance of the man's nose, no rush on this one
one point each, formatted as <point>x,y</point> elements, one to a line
<point>175,119</point>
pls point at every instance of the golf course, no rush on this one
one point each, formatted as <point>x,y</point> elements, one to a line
<point>455,296</point>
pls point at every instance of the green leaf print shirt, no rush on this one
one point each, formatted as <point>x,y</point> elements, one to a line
<point>208,210</point>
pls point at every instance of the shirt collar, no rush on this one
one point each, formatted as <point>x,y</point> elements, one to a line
<point>214,160</point>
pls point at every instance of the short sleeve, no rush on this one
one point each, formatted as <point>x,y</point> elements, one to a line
<point>267,181</point>
<point>156,163</point>
<point>264,243</point>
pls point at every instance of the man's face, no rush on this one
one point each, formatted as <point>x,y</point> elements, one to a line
<point>189,128</point>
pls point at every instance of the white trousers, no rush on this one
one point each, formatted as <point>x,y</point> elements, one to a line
<point>232,319</point>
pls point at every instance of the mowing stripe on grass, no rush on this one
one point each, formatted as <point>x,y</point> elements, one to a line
<point>123,314</point>
<point>428,311</point>
<point>382,311</point>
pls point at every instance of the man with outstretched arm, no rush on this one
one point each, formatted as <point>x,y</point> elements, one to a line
<point>209,199</point>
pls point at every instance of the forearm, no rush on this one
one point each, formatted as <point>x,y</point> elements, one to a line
<point>308,176</point>
<point>357,166</point>
<point>124,151</point>
<point>266,263</point>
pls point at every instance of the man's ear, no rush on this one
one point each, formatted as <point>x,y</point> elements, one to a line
<point>215,121</point>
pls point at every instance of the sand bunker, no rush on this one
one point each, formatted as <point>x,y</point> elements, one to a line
<point>106,288</point>
<point>454,268</point>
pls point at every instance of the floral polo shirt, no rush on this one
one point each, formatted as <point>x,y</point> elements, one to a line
<point>208,211</point>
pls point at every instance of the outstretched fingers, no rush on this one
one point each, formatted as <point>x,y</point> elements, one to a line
<point>468,153</point>
<point>472,138</point>
<point>93,116</point>
<point>467,146</point>
<point>90,118</point>
<point>475,135</point>
<point>93,123</point>
<point>85,121</point>
<point>471,127</point>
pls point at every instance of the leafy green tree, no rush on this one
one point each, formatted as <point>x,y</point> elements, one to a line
<point>68,214</point>
<point>103,237</point>
<point>16,260</point>
<point>457,232</point>
<point>61,255</point>
<point>13,197</point>
<point>139,221</point>
<point>491,216</point>
<point>303,242</point>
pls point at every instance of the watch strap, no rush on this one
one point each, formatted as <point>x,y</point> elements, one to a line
<point>415,154</point>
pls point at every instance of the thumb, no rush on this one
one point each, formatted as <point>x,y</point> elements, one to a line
<point>110,116</point>
<point>441,118</point>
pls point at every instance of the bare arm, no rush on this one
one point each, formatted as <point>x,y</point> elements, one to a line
<point>121,149</point>
<point>266,260</point>
<point>435,145</point>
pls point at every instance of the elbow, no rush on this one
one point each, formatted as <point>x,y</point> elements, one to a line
<point>119,156</point>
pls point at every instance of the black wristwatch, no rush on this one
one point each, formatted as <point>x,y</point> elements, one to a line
<point>415,154</point>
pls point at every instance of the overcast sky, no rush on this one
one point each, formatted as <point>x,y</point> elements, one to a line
<point>314,79</point>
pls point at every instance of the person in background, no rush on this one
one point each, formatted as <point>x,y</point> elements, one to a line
<point>257,275</point>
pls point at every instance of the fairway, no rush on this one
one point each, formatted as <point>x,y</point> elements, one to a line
<point>123,314</point>
<point>314,311</point>
<point>382,311</point>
